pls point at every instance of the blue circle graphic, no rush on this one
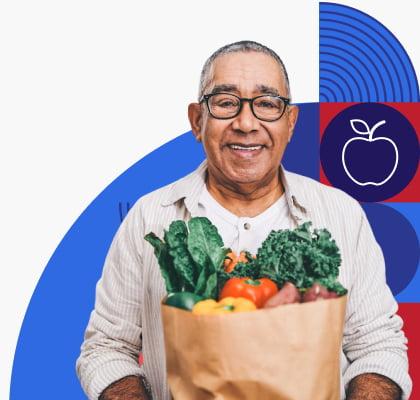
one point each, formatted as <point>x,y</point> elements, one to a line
<point>399,243</point>
<point>370,151</point>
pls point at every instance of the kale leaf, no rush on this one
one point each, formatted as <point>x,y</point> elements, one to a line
<point>302,257</point>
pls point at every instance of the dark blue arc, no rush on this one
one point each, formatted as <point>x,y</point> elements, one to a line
<point>396,78</point>
<point>400,58</point>
<point>334,76</point>
<point>335,84</point>
<point>340,53</point>
<point>370,51</point>
<point>322,97</point>
<point>361,59</point>
<point>338,62</point>
<point>371,56</point>
<point>335,72</point>
<point>333,95</point>
<point>397,64</point>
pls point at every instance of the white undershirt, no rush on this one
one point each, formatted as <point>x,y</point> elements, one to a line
<point>244,233</point>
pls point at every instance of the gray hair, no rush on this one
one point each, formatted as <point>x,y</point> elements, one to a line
<point>243,46</point>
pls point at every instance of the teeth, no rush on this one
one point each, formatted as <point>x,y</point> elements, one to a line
<point>249,148</point>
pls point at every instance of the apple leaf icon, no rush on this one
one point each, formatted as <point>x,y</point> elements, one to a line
<point>362,128</point>
<point>355,122</point>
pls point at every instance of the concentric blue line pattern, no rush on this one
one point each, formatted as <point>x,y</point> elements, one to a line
<point>360,60</point>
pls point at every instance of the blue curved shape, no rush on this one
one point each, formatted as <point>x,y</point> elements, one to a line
<point>386,49</point>
<point>368,45</point>
<point>395,80</point>
<point>368,54</point>
<point>52,330</point>
<point>400,245</point>
<point>333,83</point>
<point>342,57</point>
<point>410,211</point>
<point>332,95</point>
<point>323,98</point>
<point>336,68</point>
<point>337,63</point>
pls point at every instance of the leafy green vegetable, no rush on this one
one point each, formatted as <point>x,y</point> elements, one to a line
<point>176,238</point>
<point>200,287</point>
<point>211,287</point>
<point>190,257</point>
<point>301,257</point>
<point>167,269</point>
<point>205,243</point>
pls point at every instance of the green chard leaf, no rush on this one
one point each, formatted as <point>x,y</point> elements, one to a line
<point>211,287</point>
<point>169,274</point>
<point>205,243</point>
<point>200,287</point>
<point>176,238</point>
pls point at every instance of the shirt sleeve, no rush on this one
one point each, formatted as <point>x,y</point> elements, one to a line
<point>112,341</point>
<point>373,338</point>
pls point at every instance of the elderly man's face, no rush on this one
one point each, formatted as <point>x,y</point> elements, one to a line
<point>246,75</point>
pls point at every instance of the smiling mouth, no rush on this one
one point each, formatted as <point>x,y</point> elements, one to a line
<point>241,147</point>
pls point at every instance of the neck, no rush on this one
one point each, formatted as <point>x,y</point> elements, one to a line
<point>245,200</point>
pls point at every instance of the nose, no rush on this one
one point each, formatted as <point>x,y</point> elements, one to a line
<point>246,121</point>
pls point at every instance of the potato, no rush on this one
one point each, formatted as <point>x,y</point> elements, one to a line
<point>288,294</point>
<point>317,292</point>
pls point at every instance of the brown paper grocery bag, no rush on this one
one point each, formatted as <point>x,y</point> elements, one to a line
<point>290,352</point>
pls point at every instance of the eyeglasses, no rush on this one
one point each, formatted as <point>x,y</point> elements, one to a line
<point>226,105</point>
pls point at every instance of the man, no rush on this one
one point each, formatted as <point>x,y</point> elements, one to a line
<point>244,120</point>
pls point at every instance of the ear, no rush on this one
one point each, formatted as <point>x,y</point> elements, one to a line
<point>292,115</point>
<point>195,117</point>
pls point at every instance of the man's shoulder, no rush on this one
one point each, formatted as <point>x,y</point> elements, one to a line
<point>170,193</point>
<point>317,194</point>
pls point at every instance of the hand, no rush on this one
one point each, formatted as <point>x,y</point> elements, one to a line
<point>128,388</point>
<point>373,387</point>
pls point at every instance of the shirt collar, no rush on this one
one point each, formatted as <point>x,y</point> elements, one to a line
<point>190,187</point>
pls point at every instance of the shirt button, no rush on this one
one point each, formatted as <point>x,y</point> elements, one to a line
<point>247,226</point>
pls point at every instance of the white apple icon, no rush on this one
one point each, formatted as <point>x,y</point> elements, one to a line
<point>369,132</point>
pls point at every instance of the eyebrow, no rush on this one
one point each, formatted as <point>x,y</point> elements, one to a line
<point>224,88</point>
<point>233,88</point>
<point>268,90</point>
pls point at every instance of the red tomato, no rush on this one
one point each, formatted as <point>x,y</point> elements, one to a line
<point>258,290</point>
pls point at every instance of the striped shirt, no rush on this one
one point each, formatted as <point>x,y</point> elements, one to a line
<point>244,233</point>
<point>126,318</point>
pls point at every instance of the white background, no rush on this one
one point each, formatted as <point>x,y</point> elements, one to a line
<point>78,85</point>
